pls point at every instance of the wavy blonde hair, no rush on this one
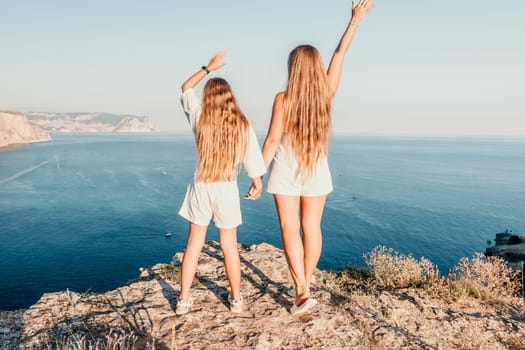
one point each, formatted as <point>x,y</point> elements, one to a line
<point>221,134</point>
<point>306,108</point>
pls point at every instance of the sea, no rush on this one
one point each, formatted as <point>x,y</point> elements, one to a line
<point>84,211</point>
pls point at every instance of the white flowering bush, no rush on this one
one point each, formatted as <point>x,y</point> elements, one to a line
<point>391,269</point>
<point>486,278</point>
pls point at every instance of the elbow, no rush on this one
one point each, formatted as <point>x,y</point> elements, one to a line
<point>188,84</point>
<point>269,149</point>
<point>272,143</point>
<point>333,91</point>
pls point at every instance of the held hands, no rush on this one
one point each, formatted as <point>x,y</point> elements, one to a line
<point>255,189</point>
<point>216,61</point>
<point>360,10</point>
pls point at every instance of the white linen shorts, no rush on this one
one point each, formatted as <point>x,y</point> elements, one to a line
<point>213,200</point>
<point>283,180</point>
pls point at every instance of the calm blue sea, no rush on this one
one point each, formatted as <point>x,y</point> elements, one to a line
<point>84,212</point>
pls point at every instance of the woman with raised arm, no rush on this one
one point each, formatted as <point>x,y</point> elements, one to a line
<point>297,148</point>
<point>224,139</point>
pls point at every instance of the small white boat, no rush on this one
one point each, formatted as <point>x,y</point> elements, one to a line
<point>167,234</point>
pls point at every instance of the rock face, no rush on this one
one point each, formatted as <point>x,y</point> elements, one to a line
<point>15,128</point>
<point>144,310</point>
<point>91,122</point>
<point>509,246</point>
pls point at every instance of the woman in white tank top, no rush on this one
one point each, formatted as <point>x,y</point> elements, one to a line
<point>297,148</point>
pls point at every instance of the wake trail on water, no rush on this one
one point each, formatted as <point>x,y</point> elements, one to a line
<point>23,172</point>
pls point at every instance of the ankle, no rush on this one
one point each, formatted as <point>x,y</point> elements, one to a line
<point>300,290</point>
<point>235,295</point>
<point>301,299</point>
<point>237,301</point>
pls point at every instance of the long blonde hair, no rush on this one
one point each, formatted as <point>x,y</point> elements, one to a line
<point>221,134</point>
<point>306,107</point>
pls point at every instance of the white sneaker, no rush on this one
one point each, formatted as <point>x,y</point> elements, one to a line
<point>235,305</point>
<point>183,306</point>
<point>307,305</point>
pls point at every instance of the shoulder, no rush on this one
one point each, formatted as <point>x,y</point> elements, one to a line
<point>189,97</point>
<point>189,92</point>
<point>250,128</point>
<point>279,98</point>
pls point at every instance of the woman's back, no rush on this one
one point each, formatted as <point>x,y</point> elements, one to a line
<point>223,135</point>
<point>306,108</point>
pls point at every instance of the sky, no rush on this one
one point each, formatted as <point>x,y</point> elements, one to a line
<point>415,66</point>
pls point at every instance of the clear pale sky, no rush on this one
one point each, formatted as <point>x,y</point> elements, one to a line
<point>415,66</point>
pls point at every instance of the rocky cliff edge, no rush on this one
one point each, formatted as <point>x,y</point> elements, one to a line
<point>16,129</point>
<point>141,314</point>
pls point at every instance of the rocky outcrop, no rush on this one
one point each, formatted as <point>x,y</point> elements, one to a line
<point>16,129</point>
<point>135,124</point>
<point>91,122</point>
<point>509,246</point>
<point>142,314</point>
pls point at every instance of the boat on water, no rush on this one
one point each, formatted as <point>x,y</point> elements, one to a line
<point>167,234</point>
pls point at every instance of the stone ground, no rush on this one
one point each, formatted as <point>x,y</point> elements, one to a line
<point>144,311</point>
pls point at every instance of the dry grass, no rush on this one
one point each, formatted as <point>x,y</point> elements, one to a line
<point>171,273</point>
<point>481,277</point>
<point>350,281</point>
<point>114,340</point>
<point>392,270</point>
<point>484,278</point>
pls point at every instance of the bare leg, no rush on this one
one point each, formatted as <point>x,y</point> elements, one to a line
<point>288,211</point>
<point>232,263</point>
<point>190,260</point>
<point>311,215</point>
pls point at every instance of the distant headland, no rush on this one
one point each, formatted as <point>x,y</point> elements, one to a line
<point>15,128</point>
<point>21,128</point>
<point>91,122</point>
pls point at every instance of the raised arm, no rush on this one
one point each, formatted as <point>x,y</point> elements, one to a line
<point>335,68</point>
<point>215,63</point>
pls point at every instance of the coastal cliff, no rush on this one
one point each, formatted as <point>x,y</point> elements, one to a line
<point>141,315</point>
<point>15,128</point>
<point>91,122</point>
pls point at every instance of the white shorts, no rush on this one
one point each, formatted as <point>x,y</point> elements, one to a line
<point>283,180</point>
<point>214,200</point>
